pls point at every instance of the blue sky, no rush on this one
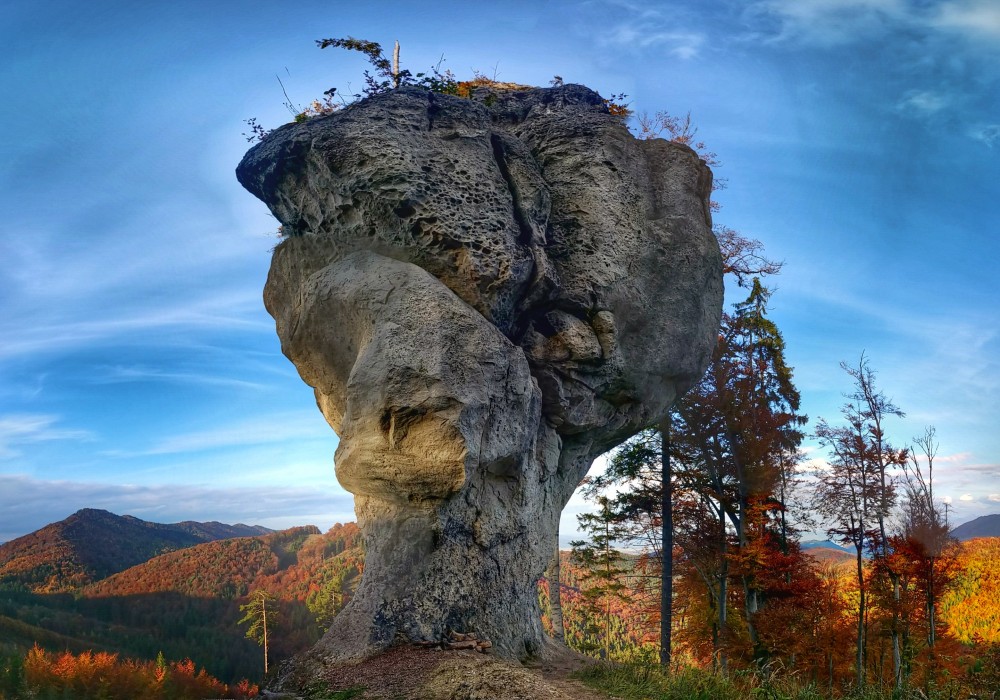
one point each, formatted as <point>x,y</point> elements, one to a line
<point>140,373</point>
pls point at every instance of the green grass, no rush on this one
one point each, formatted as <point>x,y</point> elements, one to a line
<point>347,694</point>
<point>648,682</point>
<point>636,682</point>
<point>321,691</point>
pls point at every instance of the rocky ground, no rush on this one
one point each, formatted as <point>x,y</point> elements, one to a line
<point>414,673</point>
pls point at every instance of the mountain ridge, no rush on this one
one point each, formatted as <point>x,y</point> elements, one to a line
<point>822,544</point>
<point>92,544</point>
<point>983,526</point>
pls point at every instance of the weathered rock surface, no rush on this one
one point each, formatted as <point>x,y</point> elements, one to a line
<point>485,295</point>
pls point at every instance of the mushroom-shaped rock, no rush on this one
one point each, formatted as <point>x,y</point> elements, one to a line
<point>485,294</point>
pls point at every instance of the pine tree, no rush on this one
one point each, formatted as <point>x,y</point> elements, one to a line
<point>734,444</point>
<point>261,606</point>
<point>604,577</point>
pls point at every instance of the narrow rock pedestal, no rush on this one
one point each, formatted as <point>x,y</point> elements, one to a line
<point>485,294</point>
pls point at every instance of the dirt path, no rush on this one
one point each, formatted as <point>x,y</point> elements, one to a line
<point>411,673</point>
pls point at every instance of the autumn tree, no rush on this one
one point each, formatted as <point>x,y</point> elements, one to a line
<point>643,513</point>
<point>924,554</point>
<point>741,424</point>
<point>261,605</point>
<point>885,461</point>
<point>734,441</point>
<point>845,491</point>
<point>650,504</point>
<point>857,493</point>
<point>923,523</point>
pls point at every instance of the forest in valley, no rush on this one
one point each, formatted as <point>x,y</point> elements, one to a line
<point>171,625</point>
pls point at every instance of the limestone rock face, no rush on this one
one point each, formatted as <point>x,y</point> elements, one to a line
<point>485,294</point>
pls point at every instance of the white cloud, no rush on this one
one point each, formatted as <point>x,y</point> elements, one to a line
<point>235,310</point>
<point>22,429</point>
<point>830,22</point>
<point>994,497</point>
<point>28,504</point>
<point>837,22</point>
<point>924,102</point>
<point>300,425</point>
<point>971,18</point>
<point>966,497</point>
<point>814,465</point>
<point>642,27</point>
<point>988,134</point>
<point>957,458</point>
<point>684,45</point>
<point>124,375</point>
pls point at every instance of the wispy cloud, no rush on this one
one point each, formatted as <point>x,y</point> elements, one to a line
<point>953,340</point>
<point>275,428</point>
<point>234,311</point>
<point>924,102</point>
<point>971,18</point>
<point>17,430</point>
<point>838,22</point>
<point>827,22</point>
<point>28,504</point>
<point>125,375</point>
<point>683,45</point>
<point>641,27</point>
<point>988,134</point>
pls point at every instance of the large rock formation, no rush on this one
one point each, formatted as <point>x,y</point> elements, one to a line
<point>485,294</point>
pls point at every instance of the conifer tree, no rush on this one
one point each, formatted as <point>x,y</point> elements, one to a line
<point>734,442</point>
<point>602,562</point>
<point>261,606</point>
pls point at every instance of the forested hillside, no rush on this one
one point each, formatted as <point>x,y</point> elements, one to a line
<point>971,606</point>
<point>983,526</point>
<point>186,603</point>
<point>92,544</point>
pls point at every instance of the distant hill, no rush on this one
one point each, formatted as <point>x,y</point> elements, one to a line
<point>829,555</point>
<point>92,544</point>
<point>983,526</point>
<point>220,569</point>
<point>822,544</point>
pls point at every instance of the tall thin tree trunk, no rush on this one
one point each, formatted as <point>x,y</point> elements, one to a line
<point>555,596</point>
<point>830,672</point>
<point>667,545</point>
<point>263,608</point>
<point>931,630</point>
<point>897,657</point>
<point>607,598</point>
<point>784,500</point>
<point>860,660</point>
<point>723,596</point>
